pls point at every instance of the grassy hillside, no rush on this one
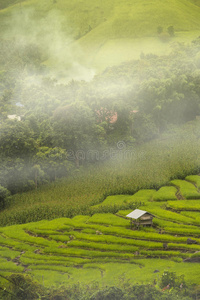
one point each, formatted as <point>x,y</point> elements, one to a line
<point>103,248</point>
<point>106,30</point>
<point>116,19</point>
<point>148,166</point>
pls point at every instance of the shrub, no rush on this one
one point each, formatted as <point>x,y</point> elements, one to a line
<point>110,293</point>
<point>170,30</point>
<point>23,288</point>
<point>4,193</point>
<point>172,279</point>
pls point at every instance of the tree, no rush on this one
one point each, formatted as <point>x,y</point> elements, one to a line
<point>75,130</point>
<point>16,139</point>
<point>37,173</point>
<point>53,161</point>
<point>15,174</point>
<point>144,128</point>
<point>170,30</point>
<point>4,193</point>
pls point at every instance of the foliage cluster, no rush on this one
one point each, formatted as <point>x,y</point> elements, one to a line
<point>64,127</point>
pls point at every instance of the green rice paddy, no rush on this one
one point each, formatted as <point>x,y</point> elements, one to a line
<point>89,248</point>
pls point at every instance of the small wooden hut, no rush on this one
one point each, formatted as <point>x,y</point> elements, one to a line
<point>140,218</point>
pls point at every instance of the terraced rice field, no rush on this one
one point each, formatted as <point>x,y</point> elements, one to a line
<point>102,247</point>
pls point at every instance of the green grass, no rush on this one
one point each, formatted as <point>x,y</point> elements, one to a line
<point>94,244</point>
<point>50,268</point>
<point>10,266</point>
<point>29,261</point>
<point>183,246</point>
<point>142,196</point>
<point>191,214</point>
<point>20,235</point>
<point>143,235</point>
<point>184,205</point>
<point>54,278</point>
<point>162,253</point>
<point>165,193</point>
<point>195,179</point>
<point>109,219</point>
<point>103,246</point>
<point>123,272</point>
<point>124,213</point>
<point>182,184</point>
<point>51,226</point>
<point>15,244</point>
<point>117,200</point>
<point>168,215</point>
<point>8,253</point>
<point>60,238</point>
<point>78,252</point>
<point>187,189</point>
<point>113,52</point>
<point>32,258</point>
<point>171,227</point>
<point>109,239</point>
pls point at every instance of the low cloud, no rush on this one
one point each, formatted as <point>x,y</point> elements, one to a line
<point>62,57</point>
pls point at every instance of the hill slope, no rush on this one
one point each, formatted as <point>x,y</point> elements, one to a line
<point>101,27</point>
<point>103,247</point>
<point>116,19</point>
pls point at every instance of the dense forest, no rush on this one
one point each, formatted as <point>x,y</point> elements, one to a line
<point>49,129</point>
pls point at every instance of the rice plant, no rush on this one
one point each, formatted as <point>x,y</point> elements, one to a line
<point>187,189</point>
<point>165,193</point>
<point>109,219</point>
<point>195,179</point>
<point>191,205</point>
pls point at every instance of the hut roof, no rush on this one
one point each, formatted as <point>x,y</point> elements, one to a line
<point>137,213</point>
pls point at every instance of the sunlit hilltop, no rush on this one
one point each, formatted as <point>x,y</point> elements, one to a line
<point>111,31</point>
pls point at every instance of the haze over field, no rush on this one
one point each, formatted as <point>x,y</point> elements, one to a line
<point>81,38</point>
